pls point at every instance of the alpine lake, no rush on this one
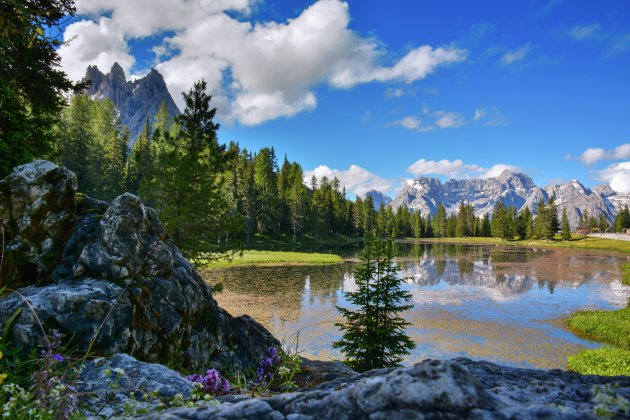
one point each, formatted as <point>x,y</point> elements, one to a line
<point>498,303</point>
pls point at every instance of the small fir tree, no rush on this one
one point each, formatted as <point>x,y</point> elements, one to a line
<point>566,229</point>
<point>374,333</point>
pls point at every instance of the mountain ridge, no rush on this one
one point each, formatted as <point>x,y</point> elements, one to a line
<point>513,189</point>
<point>134,99</point>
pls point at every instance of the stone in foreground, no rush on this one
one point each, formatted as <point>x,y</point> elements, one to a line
<point>433,389</point>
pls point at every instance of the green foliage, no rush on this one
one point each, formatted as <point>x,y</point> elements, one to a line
<point>625,271</point>
<point>503,224</point>
<point>373,332</point>
<point>612,327</point>
<point>566,229</point>
<point>251,257</point>
<point>31,83</point>
<point>622,221</point>
<point>605,361</point>
<point>92,145</point>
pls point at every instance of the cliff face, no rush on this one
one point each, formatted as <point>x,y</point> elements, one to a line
<point>135,99</point>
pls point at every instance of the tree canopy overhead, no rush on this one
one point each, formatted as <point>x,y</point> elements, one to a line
<point>31,82</point>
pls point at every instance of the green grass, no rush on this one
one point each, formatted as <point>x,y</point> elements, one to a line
<point>611,327</point>
<point>576,242</point>
<point>275,258</point>
<point>604,361</point>
<point>625,270</point>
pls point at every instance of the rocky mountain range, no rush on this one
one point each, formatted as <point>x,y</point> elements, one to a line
<point>512,189</point>
<point>134,99</point>
<point>378,198</point>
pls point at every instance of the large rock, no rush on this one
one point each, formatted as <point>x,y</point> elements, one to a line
<point>456,389</point>
<point>107,385</point>
<point>37,208</point>
<point>117,281</point>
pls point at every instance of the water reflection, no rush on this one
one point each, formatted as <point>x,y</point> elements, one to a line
<point>499,303</point>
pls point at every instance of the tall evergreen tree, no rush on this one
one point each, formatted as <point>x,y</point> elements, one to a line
<point>564,223</point>
<point>31,82</point>
<point>374,333</point>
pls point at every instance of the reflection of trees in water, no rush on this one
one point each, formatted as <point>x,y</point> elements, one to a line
<point>464,272</point>
<point>277,287</point>
<point>511,270</point>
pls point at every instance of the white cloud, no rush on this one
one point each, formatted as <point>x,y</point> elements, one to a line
<point>514,56</point>
<point>356,179</point>
<point>432,167</point>
<point>595,154</point>
<point>457,169</point>
<point>411,123</point>
<point>617,176</point>
<point>97,43</point>
<point>497,170</point>
<point>580,32</point>
<point>491,116</point>
<point>450,120</point>
<point>255,71</point>
<point>394,93</point>
<point>437,119</point>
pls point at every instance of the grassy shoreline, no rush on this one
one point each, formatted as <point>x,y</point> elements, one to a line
<point>575,243</point>
<point>271,258</point>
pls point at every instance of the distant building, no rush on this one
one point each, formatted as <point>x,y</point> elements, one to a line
<point>583,230</point>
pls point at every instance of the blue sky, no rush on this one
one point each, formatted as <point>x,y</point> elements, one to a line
<point>375,92</point>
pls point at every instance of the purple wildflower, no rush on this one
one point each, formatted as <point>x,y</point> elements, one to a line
<point>211,383</point>
<point>57,357</point>
<point>266,367</point>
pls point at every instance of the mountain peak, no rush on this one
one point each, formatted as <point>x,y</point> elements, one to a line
<point>117,73</point>
<point>135,99</point>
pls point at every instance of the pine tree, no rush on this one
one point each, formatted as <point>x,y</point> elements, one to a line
<point>31,81</point>
<point>552,222</point>
<point>566,229</point>
<point>439,222</point>
<point>373,334</point>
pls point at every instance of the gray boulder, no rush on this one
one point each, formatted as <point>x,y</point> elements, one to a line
<point>37,208</point>
<point>111,278</point>
<point>107,384</point>
<point>456,389</point>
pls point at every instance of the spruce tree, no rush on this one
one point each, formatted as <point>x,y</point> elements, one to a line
<point>374,334</point>
<point>566,229</point>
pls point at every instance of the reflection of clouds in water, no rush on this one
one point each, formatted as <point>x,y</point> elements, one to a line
<point>348,284</point>
<point>616,293</point>
<point>460,295</point>
<point>479,274</point>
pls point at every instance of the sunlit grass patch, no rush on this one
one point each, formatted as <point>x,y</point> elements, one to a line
<point>274,258</point>
<point>612,327</point>
<point>604,361</point>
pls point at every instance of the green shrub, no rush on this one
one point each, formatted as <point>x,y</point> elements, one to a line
<point>605,361</point>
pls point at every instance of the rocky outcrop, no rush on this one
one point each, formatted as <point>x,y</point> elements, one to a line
<point>576,199</point>
<point>433,389</point>
<point>111,278</point>
<point>134,100</point>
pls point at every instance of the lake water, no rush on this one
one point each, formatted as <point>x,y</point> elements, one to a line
<point>503,304</point>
